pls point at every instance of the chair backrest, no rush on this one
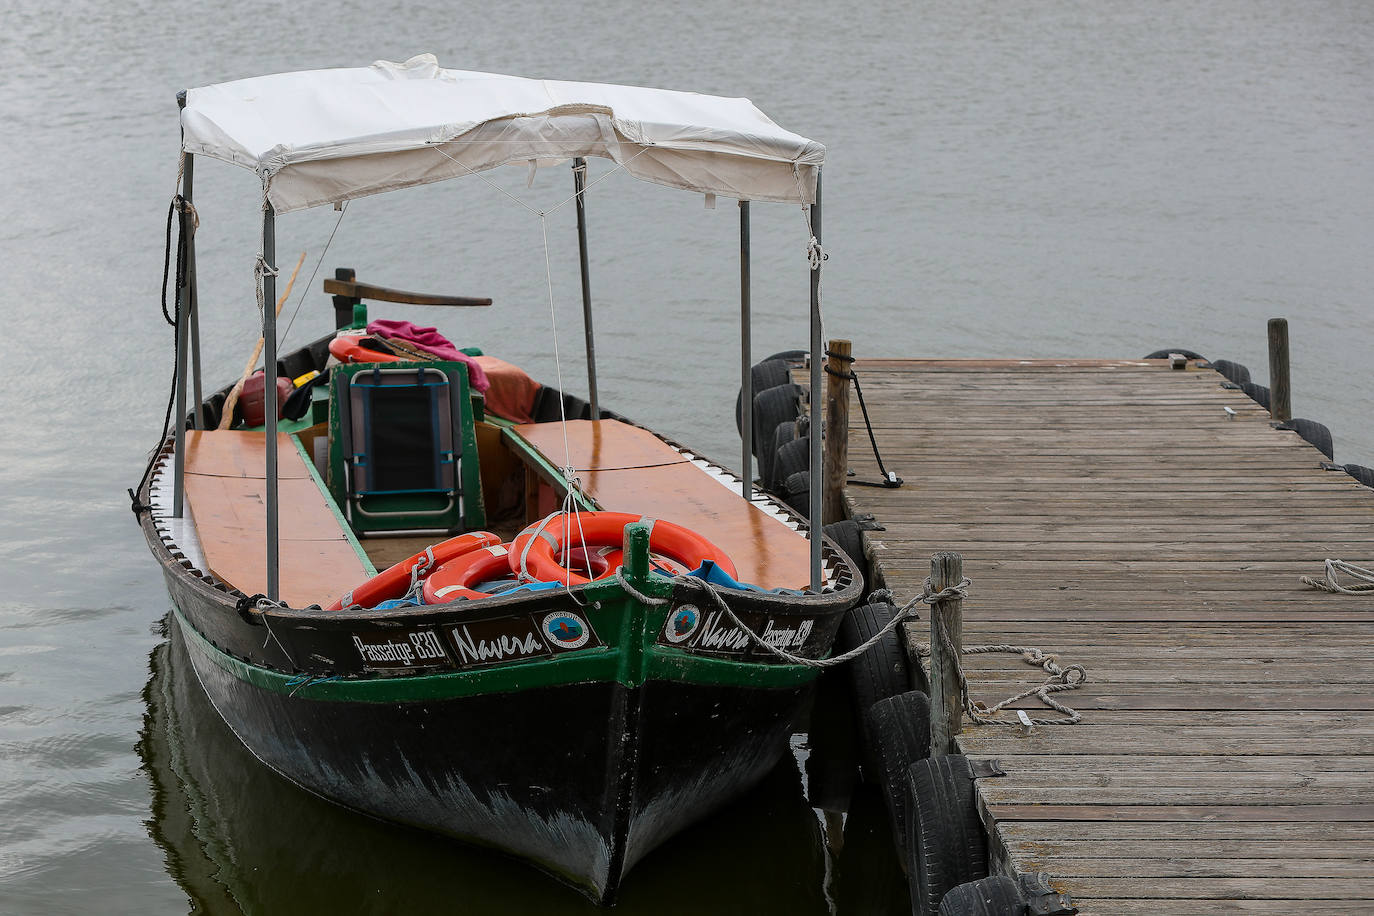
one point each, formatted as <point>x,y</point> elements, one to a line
<point>403,447</point>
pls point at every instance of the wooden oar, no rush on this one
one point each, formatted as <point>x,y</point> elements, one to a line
<point>226,416</point>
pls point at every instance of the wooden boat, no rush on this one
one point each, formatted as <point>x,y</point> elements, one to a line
<point>230,857</point>
<point>576,724</point>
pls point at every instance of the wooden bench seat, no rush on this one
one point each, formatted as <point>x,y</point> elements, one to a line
<point>226,489</point>
<point>627,469</point>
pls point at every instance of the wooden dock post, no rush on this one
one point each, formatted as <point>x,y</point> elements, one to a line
<point>836,431</point>
<point>1280,392</point>
<point>946,699</point>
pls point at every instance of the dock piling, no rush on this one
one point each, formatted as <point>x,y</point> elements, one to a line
<point>836,463</point>
<point>947,617</point>
<point>1280,392</point>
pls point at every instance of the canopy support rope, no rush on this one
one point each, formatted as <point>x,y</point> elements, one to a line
<point>306,289</point>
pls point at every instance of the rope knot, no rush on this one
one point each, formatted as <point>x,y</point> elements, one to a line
<point>931,596</point>
<point>815,254</point>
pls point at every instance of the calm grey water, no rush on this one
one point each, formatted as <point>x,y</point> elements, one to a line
<point>1029,179</point>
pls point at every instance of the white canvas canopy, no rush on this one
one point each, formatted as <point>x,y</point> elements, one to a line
<point>322,136</point>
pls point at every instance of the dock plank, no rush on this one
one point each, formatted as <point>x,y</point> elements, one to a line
<point>1114,513</point>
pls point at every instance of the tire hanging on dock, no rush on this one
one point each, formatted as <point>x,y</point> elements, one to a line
<point>995,896</point>
<point>785,433</point>
<point>1314,433</point>
<point>1257,393</point>
<point>850,537</point>
<point>768,374</point>
<point>945,843</point>
<point>792,457</point>
<point>1165,354</point>
<point>877,674</point>
<point>896,735</point>
<point>772,407</point>
<point>1235,373</point>
<point>796,492</point>
<point>1361,473</point>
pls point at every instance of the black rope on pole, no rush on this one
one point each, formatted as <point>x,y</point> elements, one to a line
<point>890,480</point>
<point>176,206</point>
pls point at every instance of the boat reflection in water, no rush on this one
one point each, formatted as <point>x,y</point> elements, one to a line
<point>240,838</point>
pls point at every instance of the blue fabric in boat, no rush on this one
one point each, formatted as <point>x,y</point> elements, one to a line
<point>713,574</point>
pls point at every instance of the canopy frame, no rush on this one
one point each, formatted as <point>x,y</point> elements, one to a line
<point>806,165</point>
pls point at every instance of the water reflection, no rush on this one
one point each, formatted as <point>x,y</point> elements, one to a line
<point>237,838</point>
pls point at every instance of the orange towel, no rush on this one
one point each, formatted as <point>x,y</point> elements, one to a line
<point>512,391</point>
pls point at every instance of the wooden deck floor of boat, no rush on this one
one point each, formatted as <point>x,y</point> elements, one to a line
<point>628,469</point>
<point>1111,513</point>
<point>226,489</point>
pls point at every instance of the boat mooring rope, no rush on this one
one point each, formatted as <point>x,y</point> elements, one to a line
<point>1060,678</point>
<point>906,612</point>
<point>890,480</point>
<point>1331,583</point>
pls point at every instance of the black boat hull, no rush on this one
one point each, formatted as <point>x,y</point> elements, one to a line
<point>584,780</point>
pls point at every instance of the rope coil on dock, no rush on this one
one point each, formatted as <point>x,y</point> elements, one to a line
<point>1060,678</point>
<point>1333,585</point>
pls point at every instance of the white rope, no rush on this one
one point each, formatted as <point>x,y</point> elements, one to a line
<point>585,188</point>
<point>1364,579</point>
<point>1060,679</point>
<point>418,572</point>
<point>262,270</point>
<point>900,616</point>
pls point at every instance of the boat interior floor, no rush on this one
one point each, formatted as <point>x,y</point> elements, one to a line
<point>226,491</point>
<point>619,467</point>
<point>625,468</point>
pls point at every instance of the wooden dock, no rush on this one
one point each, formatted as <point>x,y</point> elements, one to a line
<point>1115,514</point>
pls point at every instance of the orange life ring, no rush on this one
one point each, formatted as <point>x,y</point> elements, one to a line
<point>680,545</point>
<point>346,349</point>
<point>393,581</point>
<point>455,578</point>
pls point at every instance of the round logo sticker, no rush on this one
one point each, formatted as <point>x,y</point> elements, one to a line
<point>682,623</point>
<point>566,630</point>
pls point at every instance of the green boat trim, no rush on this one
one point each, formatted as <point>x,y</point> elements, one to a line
<point>640,661</point>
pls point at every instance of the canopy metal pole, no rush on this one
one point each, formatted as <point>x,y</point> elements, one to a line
<point>183,335</point>
<point>817,398</point>
<point>179,381</point>
<point>579,167</point>
<point>269,390</point>
<point>193,297</point>
<point>746,375</point>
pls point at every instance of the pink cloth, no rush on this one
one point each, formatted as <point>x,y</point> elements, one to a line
<point>431,340</point>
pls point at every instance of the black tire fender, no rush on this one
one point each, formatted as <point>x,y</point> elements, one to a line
<point>850,537</point>
<point>772,407</point>
<point>768,374</point>
<point>1164,354</point>
<point>995,896</point>
<point>879,673</point>
<point>792,457</point>
<point>785,433</point>
<point>946,846</point>
<point>1314,433</point>
<point>1233,372</point>
<point>796,492</point>
<point>1361,473</point>
<point>896,735</point>
<point>1257,393</point>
